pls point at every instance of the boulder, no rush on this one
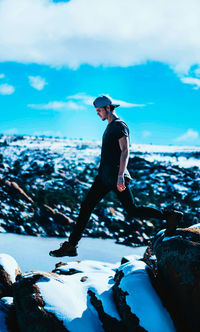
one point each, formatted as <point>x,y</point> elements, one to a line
<point>9,270</point>
<point>138,303</point>
<point>68,299</point>
<point>30,306</point>
<point>8,322</point>
<point>14,189</point>
<point>178,274</point>
<point>58,217</point>
<point>3,317</point>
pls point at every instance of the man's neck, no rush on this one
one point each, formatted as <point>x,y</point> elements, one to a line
<point>111,116</point>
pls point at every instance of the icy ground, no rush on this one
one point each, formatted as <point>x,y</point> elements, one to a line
<point>31,253</point>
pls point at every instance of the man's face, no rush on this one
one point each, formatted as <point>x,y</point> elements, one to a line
<point>101,112</point>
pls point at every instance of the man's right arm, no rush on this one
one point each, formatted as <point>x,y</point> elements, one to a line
<point>124,146</point>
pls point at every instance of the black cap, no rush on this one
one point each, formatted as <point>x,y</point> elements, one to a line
<point>103,101</point>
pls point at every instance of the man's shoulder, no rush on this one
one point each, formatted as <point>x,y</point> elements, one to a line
<point>119,123</point>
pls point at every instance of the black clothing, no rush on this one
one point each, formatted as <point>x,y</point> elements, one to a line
<point>111,152</point>
<point>98,190</point>
<point>106,180</point>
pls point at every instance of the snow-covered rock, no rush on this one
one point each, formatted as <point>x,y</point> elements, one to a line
<point>9,269</point>
<point>68,298</point>
<point>94,296</point>
<point>138,303</point>
<point>90,296</point>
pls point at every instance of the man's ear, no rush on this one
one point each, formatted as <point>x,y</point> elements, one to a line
<point>108,108</point>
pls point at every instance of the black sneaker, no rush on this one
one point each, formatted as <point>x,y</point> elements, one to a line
<point>66,249</point>
<point>172,218</point>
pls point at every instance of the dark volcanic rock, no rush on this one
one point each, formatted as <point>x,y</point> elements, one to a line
<point>37,174</point>
<point>8,321</point>
<point>31,314</point>
<point>109,323</point>
<point>178,271</point>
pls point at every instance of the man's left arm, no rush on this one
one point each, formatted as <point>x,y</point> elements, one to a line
<point>124,146</point>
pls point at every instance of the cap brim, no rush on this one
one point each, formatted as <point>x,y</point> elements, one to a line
<point>115,105</point>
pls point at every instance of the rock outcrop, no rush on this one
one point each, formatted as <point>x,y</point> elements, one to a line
<point>30,305</point>
<point>90,296</point>
<point>159,292</point>
<point>178,275</point>
<point>136,300</point>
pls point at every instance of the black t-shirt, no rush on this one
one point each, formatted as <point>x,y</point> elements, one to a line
<point>111,152</point>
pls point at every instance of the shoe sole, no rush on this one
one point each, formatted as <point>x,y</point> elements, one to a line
<point>69,255</point>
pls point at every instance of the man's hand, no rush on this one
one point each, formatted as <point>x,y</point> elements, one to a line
<point>121,183</point>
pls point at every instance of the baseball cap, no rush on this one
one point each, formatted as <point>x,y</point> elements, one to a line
<point>103,101</point>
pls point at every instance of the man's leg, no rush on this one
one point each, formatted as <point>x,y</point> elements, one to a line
<point>127,200</point>
<point>172,218</point>
<point>94,196</point>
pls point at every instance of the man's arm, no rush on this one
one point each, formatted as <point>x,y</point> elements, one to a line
<point>124,146</point>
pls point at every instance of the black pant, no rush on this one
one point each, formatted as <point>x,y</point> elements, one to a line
<point>98,190</point>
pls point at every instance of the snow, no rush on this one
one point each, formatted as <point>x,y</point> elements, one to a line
<point>55,294</point>
<point>149,148</point>
<point>31,252</point>
<point>179,161</point>
<point>167,238</point>
<point>99,275</point>
<point>196,225</point>
<point>88,151</point>
<point>143,300</point>
<point>100,279</point>
<point>180,188</point>
<point>9,264</point>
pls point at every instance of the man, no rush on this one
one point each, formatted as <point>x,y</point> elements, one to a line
<point>112,175</point>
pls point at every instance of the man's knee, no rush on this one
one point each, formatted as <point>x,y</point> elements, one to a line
<point>86,205</point>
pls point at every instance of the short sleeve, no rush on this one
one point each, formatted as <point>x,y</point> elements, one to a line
<point>121,130</point>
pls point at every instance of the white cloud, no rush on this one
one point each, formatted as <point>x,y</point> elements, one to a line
<point>82,98</point>
<point>57,106</point>
<point>110,33</point>
<point>192,81</point>
<point>79,101</point>
<point>2,75</point>
<point>146,133</point>
<point>6,89</point>
<point>126,104</point>
<point>37,82</point>
<point>88,100</point>
<point>189,135</point>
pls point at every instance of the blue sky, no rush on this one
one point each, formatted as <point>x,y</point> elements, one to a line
<point>51,71</point>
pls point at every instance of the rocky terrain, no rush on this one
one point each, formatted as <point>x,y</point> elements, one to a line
<point>43,181</point>
<point>157,292</point>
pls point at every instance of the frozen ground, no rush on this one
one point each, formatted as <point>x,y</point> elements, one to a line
<point>31,253</point>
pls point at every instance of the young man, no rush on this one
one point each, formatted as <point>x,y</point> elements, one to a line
<point>112,175</point>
